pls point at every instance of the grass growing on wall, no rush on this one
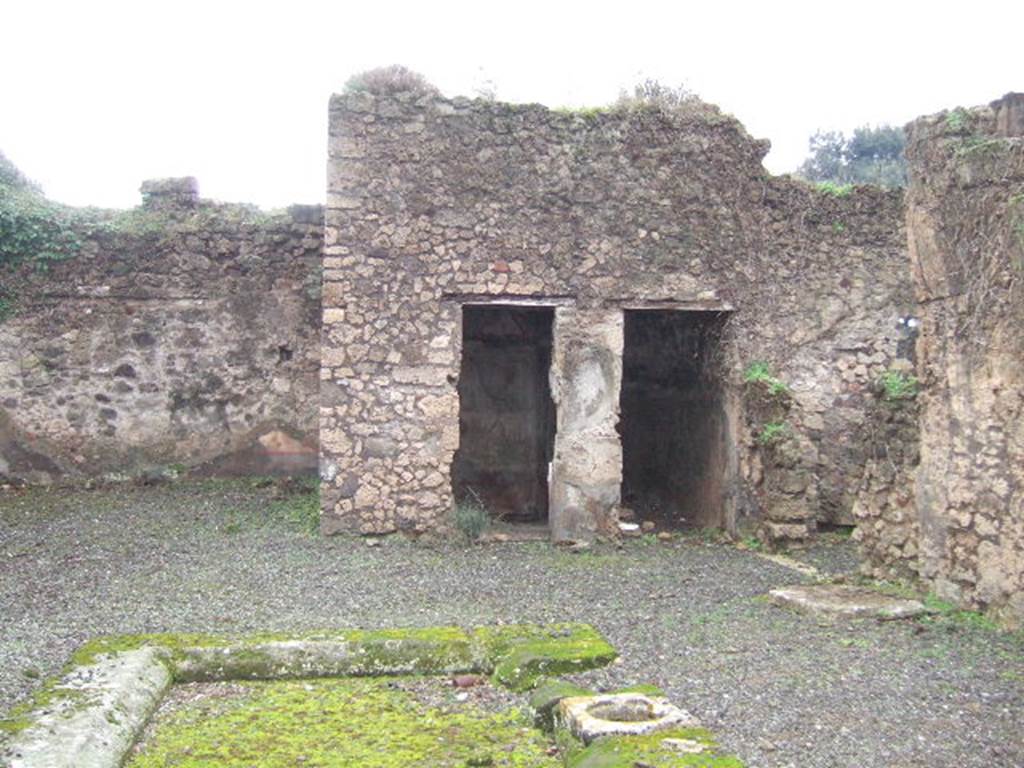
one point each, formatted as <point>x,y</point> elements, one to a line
<point>760,373</point>
<point>898,386</point>
<point>834,189</point>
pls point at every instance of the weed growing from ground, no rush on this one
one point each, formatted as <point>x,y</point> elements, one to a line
<point>294,501</point>
<point>302,508</point>
<point>233,525</point>
<point>947,612</point>
<point>752,543</point>
<point>471,516</point>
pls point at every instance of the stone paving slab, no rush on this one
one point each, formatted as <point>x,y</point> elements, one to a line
<point>845,600</point>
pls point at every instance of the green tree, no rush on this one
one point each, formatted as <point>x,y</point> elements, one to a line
<point>869,156</point>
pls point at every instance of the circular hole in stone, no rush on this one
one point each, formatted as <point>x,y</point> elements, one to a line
<point>625,711</point>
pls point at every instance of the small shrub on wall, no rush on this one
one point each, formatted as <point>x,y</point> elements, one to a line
<point>897,386</point>
<point>760,374</point>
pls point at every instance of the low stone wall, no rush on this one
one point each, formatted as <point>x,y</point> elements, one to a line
<point>182,332</point>
<point>966,233</point>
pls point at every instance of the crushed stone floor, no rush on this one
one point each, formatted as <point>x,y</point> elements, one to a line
<point>778,687</point>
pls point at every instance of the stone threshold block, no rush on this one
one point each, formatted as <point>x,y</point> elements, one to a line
<point>845,600</point>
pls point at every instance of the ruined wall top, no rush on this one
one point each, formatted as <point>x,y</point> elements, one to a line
<point>967,165</point>
<point>694,125</point>
<point>162,194</point>
<point>1009,114</point>
<point>1002,119</point>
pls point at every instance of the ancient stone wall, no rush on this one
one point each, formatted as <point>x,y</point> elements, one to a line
<point>182,332</point>
<point>885,510</point>
<point>436,203</point>
<point>966,233</point>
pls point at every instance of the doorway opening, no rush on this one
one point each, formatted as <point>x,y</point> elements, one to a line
<point>506,414</point>
<point>673,420</point>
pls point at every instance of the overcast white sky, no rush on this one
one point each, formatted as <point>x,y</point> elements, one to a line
<point>96,96</point>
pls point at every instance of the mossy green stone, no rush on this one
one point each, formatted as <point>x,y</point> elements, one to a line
<point>550,651</point>
<point>423,650</point>
<point>340,723</point>
<point>645,688</point>
<point>650,751</point>
<point>518,655</point>
<point>546,696</point>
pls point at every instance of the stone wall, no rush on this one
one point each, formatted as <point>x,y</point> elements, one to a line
<point>885,509</point>
<point>966,232</point>
<point>436,203</point>
<point>182,332</point>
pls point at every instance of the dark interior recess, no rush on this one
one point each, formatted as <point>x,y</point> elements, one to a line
<point>506,415</point>
<point>672,418</point>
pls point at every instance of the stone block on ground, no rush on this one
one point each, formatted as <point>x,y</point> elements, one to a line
<point>845,600</point>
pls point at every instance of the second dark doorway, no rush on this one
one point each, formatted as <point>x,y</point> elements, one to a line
<point>672,417</point>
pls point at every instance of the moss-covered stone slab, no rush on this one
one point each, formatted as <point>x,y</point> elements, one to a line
<point>89,717</point>
<point>845,600</point>
<point>517,655</point>
<point>352,655</point>
<point>545,698</point>
<point>525,658</point>
<point>430,650</point>
<point>677,748</point>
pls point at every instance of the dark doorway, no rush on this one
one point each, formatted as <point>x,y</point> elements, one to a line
<point>506,415</point>
<point>672,418</point>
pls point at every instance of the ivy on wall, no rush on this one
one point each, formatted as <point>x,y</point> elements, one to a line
<point>33,231</point>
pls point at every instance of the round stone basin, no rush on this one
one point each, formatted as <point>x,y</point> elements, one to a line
<point>635,709</point>
<point>624,714</point>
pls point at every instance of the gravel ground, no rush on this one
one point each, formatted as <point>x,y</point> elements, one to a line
<point>832,554</point>
<point>779,689</point>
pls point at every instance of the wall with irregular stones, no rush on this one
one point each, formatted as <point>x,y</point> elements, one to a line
<point>434,203</point>
<point>966,232</point>
<point>885,511</point>
<point>183,332</point>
